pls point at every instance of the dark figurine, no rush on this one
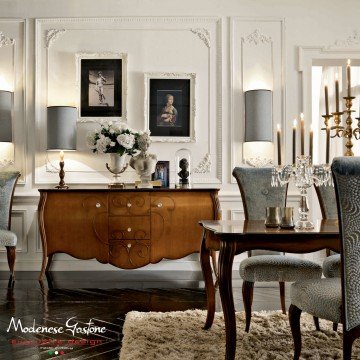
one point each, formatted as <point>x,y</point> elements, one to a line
<point>184,173</point>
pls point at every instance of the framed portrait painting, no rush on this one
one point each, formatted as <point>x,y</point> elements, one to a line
<point>101,81</point>
<point>170,106</point>
<point>161,173</point>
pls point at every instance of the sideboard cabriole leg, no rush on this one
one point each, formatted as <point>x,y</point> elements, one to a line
<point>41,207</point>
<point>226,258</point>
<point>209,284</point>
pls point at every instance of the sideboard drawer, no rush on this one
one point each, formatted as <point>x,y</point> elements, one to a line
<point>129,254</point>
<point>129,227</point>
<point>129,203</point>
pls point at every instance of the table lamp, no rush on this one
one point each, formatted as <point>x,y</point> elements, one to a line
<point>61,134</point>
<point>6,114</point>
<point>258,147</point>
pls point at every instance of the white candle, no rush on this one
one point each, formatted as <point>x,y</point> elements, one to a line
<point>302,134</point>
<point>61,156</point>
<point>311,143</point>
<point>279,143</point>
<point>294,142</point>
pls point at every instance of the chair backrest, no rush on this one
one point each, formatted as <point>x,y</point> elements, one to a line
<point>257,192</point>
<point>346,172</point>
<point>327,201</point>
<point>7,187</point>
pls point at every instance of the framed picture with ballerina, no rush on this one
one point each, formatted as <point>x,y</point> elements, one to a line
<point>102,86</point>
<point>170,106</point>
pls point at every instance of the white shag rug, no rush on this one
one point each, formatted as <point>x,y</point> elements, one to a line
<point>178,335</point>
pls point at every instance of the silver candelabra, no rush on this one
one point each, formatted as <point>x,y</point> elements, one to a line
<point>305,175</point>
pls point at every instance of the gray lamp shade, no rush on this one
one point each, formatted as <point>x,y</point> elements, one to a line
<point>258,115</point>
<point>6,106</point>
<point>61,128</point>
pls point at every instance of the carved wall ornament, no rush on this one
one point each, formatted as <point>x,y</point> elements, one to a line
<point>351,40</point>
<point>256,38</point>
<point>203,34</point>
<point>4,163</point>
<point>204,165</point>
<point>52,35</point>
<point>5,41</point>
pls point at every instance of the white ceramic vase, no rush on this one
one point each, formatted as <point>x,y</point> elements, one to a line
<point>117,162</point>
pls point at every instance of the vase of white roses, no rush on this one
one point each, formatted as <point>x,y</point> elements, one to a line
<point>118,140</point>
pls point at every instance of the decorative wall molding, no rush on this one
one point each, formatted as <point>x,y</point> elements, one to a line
<point>52,35</point>
<point>203,34</point>
<point>5,163</point>
<point>352,40</point>
<point>5,41</point>
<point>268,39</point>
<point>84,35</point>
<point>14,66</point>
<point>256,38</point>
<point>204,165</point>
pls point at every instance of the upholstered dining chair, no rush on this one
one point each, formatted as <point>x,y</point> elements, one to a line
<point>332,263</point>
<point>8,238</point>
<point>264,266</point>
<point>336,299</point>
<point>327,201</point>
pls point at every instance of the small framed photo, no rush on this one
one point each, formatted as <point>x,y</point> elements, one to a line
<point>101,80</point>
<point>170,106</point>
<point>162,173</point>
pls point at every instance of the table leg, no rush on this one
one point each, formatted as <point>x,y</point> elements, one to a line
<point>209,284</point>
<point>226,258</point>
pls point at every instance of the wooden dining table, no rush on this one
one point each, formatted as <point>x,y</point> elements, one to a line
<point>232,237</point>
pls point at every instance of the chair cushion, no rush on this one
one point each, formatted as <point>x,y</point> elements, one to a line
<point>7,238</point>
<point>318,297</point>
<point>278,268</point>
<point>332,266</point>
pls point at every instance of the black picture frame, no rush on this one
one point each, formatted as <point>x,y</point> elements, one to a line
<point>168,120</point>
<point>101,92</point>
<point>162,172</point>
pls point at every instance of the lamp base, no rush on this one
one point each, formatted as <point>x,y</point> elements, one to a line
<point>62,187</point>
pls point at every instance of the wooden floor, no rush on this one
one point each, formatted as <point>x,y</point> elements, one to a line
<point>104,297</point>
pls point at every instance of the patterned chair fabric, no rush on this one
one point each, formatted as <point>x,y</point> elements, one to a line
<point>7,185</point>
<point>323,298</point>
<point>257,194</point>
<point>320,297</point>
<point>278,268</point>
<point>7,238</point>
<point>332,266</point>
<point>346,172</point>
<point>327,201</point>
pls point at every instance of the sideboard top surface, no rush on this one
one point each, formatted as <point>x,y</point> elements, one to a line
<point>105,189</point>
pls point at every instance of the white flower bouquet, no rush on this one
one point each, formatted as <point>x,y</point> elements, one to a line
<point>115,138</point>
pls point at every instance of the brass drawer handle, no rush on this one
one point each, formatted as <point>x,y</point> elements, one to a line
<point>129,229</point>
<point>159,205</point>
<point>98,205</point>
<point>129,246</point>
<point>129,205</point>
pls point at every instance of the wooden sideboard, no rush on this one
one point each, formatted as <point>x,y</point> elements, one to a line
<point>127,228</point>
